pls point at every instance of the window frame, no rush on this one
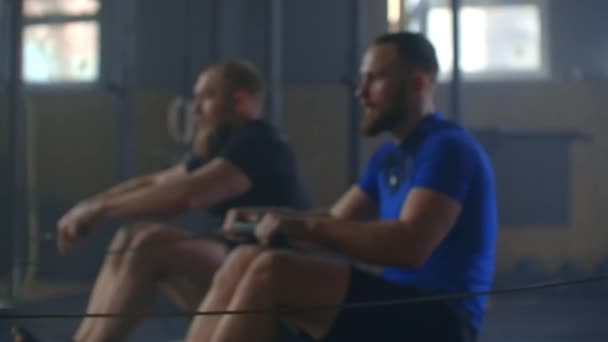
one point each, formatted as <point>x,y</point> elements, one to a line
<point>50,19</point>
<point>541,74</point>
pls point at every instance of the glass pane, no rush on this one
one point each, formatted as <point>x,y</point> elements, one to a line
<point>473,37</point>
<point>411,10</point>
<point>37,8</point>
<point>393,13</point>
<point>517,32</point>
<point>61,52</point>
<point>493,38</point>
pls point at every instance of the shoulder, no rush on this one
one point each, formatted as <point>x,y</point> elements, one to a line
<point>261,129</point>
<point>261,134</point>
<point>258,142</point>
<point>451,139</point>
<point>255,134</point>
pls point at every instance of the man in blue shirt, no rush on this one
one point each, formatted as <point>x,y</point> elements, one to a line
<point>430,196</point>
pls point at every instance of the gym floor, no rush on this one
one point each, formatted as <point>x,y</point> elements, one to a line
<point>558,315</point>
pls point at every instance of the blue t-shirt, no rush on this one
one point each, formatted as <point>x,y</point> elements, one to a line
<point>441,156</point>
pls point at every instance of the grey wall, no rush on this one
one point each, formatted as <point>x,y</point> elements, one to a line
<point>548,107</point>
<point>173,42</point>
<point>312,53</point>
<point>571,100</point>
<point>577,42</point>
<point>76,129</point>
<point>4,250</point>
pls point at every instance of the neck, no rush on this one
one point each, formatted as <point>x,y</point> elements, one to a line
<point>406,127</point>
<point>247,116</point>
<point>410,122</point>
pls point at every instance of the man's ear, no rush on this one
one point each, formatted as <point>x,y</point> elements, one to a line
<point>240,101</point>
<point>419,81</point>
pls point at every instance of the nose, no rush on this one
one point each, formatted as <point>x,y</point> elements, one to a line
<point>196,109</point>
<point>361,91</point>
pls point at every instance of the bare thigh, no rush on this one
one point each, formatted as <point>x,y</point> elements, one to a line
<point>299,281</point>
<point>185,265</point>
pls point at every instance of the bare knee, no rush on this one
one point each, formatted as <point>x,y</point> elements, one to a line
<point>274,261</point>
<point>244,254</point>
<point>146,244</point>
<point>267,268</point>
<point>287,279</point>
<point>125,235</point>
<point>124,252</point>
<point>120,239</point>
<point>235,266</point>
<point>148,234</point>
<point>120,244</point>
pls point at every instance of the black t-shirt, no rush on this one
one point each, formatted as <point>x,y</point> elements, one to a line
<point>259,150</point>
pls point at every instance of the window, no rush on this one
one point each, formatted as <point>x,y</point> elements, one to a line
<point>60,41</point>
<point>497,39</point>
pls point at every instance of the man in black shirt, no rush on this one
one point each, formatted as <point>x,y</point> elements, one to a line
<point>238,159</point>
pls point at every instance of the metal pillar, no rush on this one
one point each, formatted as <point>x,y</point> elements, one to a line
<point>17,151</point>
<point>456,84</point>
<point>216,31</point>
<point>186,57</point>
<point>125,114</point>
<point>275,84</point>
<point>354,110</point>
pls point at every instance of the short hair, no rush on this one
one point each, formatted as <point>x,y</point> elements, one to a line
<point>414,49</point>
<point>241,75</point>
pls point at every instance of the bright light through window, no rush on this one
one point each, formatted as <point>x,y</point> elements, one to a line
<point>37,8</point>
<point>61,52</point>
<point>60,41</point>
<point>394,14</point>
<point>495,39</point>
<point>473,47</point>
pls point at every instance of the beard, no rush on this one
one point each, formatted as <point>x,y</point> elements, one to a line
<point>199,142</point>
<point>210,140</point>
<point>376,123</point>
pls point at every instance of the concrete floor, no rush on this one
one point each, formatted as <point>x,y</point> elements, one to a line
<point>524,318</point>
<point>564,315</point>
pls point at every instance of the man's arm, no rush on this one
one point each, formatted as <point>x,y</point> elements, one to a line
<point>141,182</point>
<point>213,183</point>
<point>426,218</point>
<point>446,167</point>
<point>353,205</point>
<point>88,213</point>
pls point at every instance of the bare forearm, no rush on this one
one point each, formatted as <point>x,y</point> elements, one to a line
<point>388,243</point>
<point>318,213</point>
<point>159,200</point>
<point>127,186</point>
<point>256,213</point>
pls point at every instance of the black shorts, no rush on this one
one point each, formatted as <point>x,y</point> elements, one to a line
<point>438,321</point>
